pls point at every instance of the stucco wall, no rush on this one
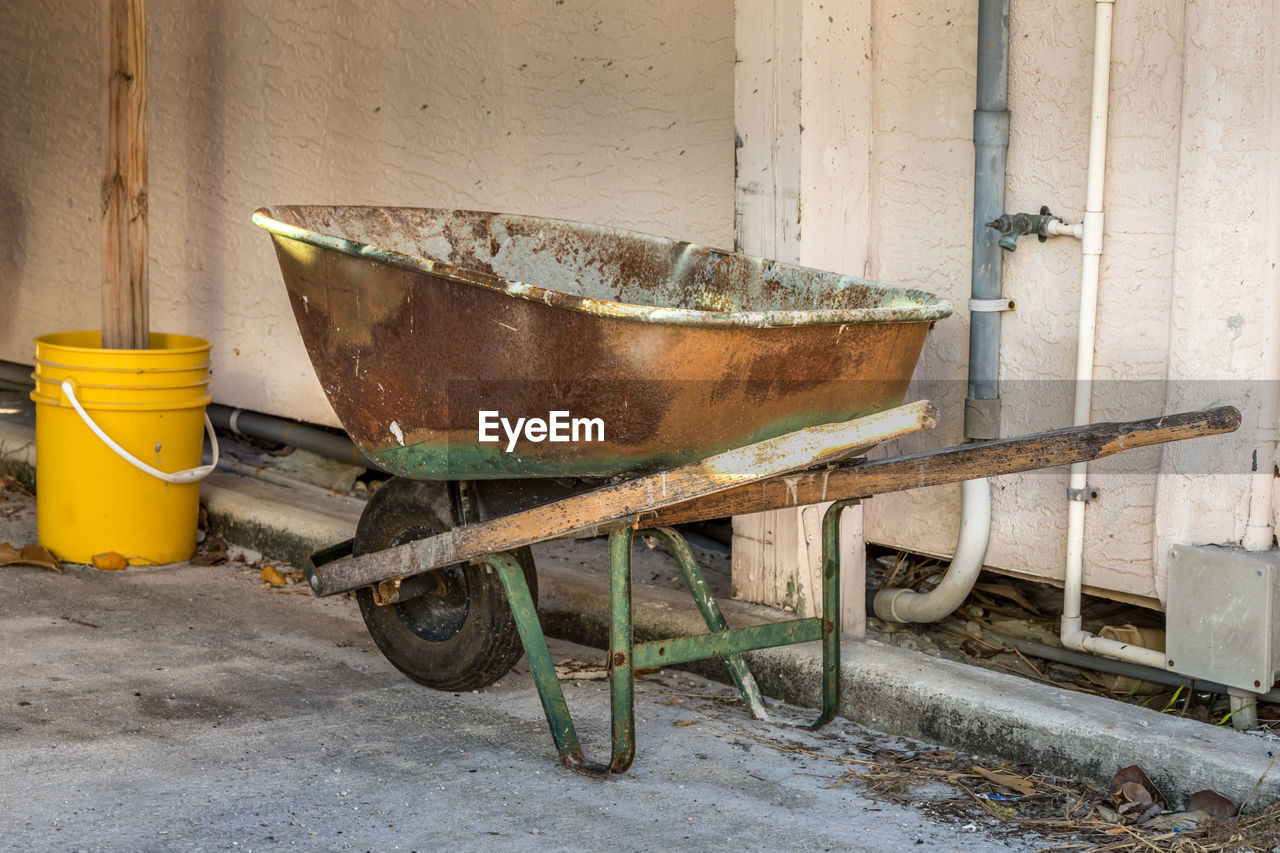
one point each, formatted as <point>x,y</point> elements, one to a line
<point>1188,282</point>
<point>598,111</point>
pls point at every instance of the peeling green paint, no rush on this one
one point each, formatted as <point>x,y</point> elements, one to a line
<point>476,461</point>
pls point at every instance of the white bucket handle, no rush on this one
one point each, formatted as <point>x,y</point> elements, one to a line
<point>191,475</point>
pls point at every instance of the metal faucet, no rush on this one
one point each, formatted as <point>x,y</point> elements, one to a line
<point>1014,225</point>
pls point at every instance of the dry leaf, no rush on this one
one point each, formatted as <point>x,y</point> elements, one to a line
<point>212,552</point>
<point>680,723</point>
<point>272,576</point>
<point>30,555</point>
<point>1213,804</point>
<point>9,484</point>
<point>1132,792</point>
<point>1134,773</point>
<point>1010,592</point>
<point>110,562</point>
<point>38,555</point>
<point>1011,781</point>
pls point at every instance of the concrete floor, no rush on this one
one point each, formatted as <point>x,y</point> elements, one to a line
<point>186,708</point>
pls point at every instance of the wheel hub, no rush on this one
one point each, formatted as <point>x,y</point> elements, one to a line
<point>439,609</point>
<point>440,612</point>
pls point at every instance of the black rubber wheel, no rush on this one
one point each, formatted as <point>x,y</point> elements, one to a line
<point>459,634</point>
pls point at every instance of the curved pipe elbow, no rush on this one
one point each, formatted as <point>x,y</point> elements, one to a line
<point>905,605</point>
<point>1077,639</point>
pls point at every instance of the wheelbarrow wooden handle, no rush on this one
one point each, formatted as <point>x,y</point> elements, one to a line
<point>865,478</point>
<point>804,448</point>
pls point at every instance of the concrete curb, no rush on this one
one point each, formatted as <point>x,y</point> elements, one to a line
<point>282,523</point>
<point>885,688</point>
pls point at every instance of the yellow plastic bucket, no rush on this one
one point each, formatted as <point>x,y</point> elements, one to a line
<point>118,443</point>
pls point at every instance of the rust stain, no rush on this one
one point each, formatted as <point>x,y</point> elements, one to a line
<point>387,592</point>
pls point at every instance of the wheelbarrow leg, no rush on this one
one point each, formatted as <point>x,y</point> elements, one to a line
<point>712,615</point>
<point>621,668</point>
<point>831,611</point>
<point>544,669</point>
<point>622,650</point>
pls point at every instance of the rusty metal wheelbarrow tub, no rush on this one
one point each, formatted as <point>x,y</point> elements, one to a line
<point>417,321</point>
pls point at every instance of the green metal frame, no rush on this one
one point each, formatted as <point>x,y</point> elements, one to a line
<point>625,656</point>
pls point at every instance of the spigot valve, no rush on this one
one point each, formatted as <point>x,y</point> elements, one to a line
<point>1014,225</point>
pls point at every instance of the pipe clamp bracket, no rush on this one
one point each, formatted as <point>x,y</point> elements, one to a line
<point>1088,493</point>
<point>1091,236</point>
<point>981,306</point>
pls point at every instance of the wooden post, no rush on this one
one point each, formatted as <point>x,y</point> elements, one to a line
<point>125,321</point>
<point>803,65</point>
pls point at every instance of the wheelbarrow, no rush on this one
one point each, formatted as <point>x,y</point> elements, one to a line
<point>527,379</point>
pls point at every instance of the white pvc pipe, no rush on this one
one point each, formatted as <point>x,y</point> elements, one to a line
<point>1084,641</point>
<point>1058,228</point>
<point>1072,633</point>
<point>906,605</point>
<point>1259,532</point>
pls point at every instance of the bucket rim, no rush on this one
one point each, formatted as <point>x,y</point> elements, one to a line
<point>193,344</point>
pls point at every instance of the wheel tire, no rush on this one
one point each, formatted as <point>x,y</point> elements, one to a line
<point>461,634</point>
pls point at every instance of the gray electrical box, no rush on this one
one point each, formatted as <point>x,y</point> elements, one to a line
<point>1221,615</point>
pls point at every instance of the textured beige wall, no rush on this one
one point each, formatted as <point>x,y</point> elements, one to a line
<point>1187,278</point>
<point>607,111</point>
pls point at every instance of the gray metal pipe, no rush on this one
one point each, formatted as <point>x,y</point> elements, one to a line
<point>16,376</point>
<point>304,436</point>
<point>990,147</point>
